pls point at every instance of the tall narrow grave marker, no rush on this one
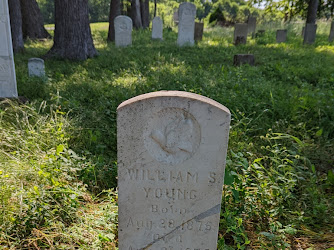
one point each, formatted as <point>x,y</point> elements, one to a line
<point>331,33</point>
<point>187,14</point>
<point>157,28</point>
<point>123,31</point>
<point>240,33</point>
<point>251,24</point>
<point>171,158</point>
<point>7,68</point>
<point>310,33</point>
<point>199,28</point>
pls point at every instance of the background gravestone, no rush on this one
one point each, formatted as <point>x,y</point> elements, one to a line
<point>310,33</point>
<point>123,31</point>
<point>281,36</point>
<point>199,27</point>
<point>187,14</point>
<point>171,156</point>
<point>303,31</point>
<point>241,59</point>
<point>157,28</point>
<point>331,33</point>
<point>7,68</point>
<point>240,33</point>
<point>251,25</point>
<point>36,67</point>
<point>176,17</point>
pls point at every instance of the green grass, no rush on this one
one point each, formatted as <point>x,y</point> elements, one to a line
<point>58,153</point>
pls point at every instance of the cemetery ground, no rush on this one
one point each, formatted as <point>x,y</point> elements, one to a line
<point>58,152</point>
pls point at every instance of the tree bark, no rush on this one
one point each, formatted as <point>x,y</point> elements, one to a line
<point>115,10</point>
<point>136,14</point>
<point>73,38</point>
<point>312,11</point>
<point>32,21</point>
<point>145,13</point>
<point>16,25</point>
<point>155,8</point>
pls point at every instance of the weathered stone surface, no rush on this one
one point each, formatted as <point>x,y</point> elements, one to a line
<point>157,28</point>
<point>187,14</point>
<point>331,33</point>
<point>171,156</point>
<point>251,24</point>
<point>123,31</point>
<point>281,36</point>
<point>199,28</point>
<point>240,33</point>
<point>7,68</point>
<point>176,16</point>
<point>241,59</point>
<point>36,67</point>
<point>310,33</point>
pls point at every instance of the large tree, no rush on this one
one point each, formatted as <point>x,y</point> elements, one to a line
<point>16,25</point>
<point>73,38</point>
<point>32,20</point>
<point>312,11</point>
<point>136,14</point>
<point>145,13</point>
<point>115,10</point>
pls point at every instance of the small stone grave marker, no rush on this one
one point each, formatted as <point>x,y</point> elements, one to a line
<point>176,17</point>
<point>123,31</point>
<point>331,33</point>
<point>187,13</point>
<point>36,67</point>
<point>171,156</point>
<point>157,28</point>
<point>251,24</point>
<point>240,33</point>
<point>241,59</point>
<point>7,68</point>
<point>199,27</point>
<point>281,36</point>
<point>310,33</point>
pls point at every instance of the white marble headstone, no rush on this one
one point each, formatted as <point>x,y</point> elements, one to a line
<point>7,68</point>
<point>36,67</point>
<point>157,28</point>
<point>187,14</point>
<point>123,31</point>
<point>171,160</point>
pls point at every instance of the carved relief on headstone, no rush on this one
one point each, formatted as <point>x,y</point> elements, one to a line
<point>36,67</point>
<point>240,33</point>
<point>171,157</point>
<point>187,14</point>
<point>281,36</point>
<point>157,28</point>
<point>123,31</point>
<point>7,68</point>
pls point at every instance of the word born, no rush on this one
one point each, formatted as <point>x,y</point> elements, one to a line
<point>169,210</point>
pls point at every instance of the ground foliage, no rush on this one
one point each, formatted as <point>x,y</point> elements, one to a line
<point>58,152</point>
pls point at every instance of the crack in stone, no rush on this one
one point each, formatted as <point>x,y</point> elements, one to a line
<point>201,216</point>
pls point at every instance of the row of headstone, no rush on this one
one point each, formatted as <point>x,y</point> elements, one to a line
<point>7,68</point>
<point>187,34</point>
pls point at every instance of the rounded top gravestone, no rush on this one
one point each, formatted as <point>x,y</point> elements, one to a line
<point>187,14</point>
<point>171,158</point>
<point>123,31</point>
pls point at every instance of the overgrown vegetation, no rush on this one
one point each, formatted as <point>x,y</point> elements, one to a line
<point>58,152</point>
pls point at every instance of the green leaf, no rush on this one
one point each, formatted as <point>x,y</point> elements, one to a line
<point>60,148</point>
<point>319,133</point>
<point>229,178</point>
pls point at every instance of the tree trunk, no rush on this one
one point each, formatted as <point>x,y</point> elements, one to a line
<point>312,11</point>
<point>73,38</point>
<point>155,8</point>
<point>115,10</point>
<point>136,14</point>
<point>16,25</point>
<point>32,21</point>
<point>145,13</point>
